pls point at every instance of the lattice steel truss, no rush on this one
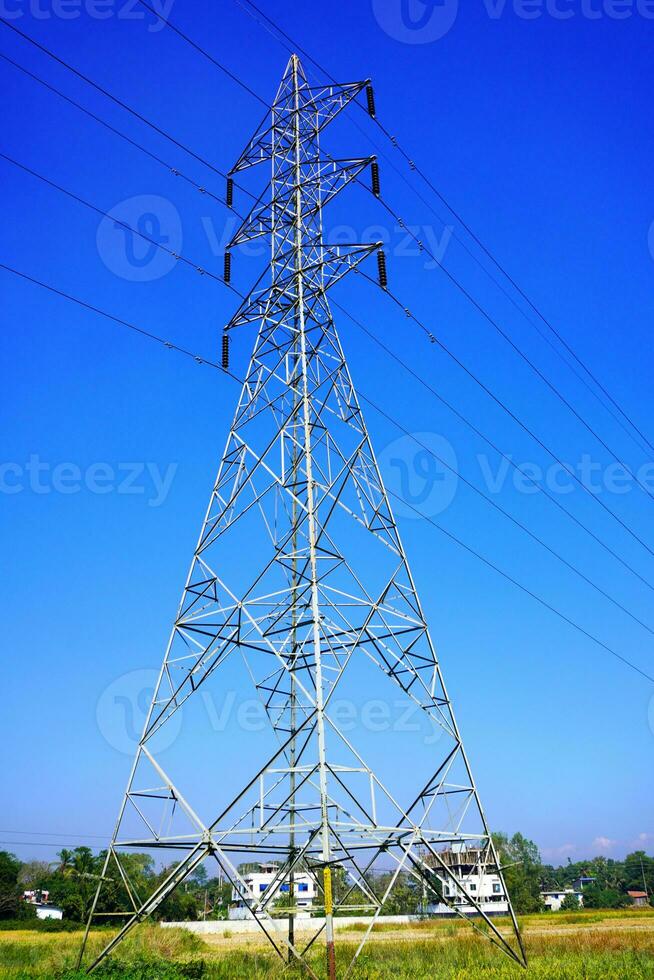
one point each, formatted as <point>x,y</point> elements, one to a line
<point>300,571</point>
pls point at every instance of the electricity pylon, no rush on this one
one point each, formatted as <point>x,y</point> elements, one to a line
<point>300,573</point>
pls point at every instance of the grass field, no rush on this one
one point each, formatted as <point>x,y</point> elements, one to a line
<point>560,946</point>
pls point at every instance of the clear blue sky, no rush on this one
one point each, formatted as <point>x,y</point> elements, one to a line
<point>538,130</point>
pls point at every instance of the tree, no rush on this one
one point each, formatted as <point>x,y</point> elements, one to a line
<point>639,872</point>
<point>522,868</point>
<point>9,887</point>
<point>604,898</point>
<point>570,903</point>
<point>34,874</point>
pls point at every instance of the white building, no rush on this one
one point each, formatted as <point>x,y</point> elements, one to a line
<point>41,899</point>
<point>553,900</point>
<point>49,912</point>
<point>472,880</point>
<point>260,881</point>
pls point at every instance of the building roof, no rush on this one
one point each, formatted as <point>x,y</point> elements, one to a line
<point>635,894</point>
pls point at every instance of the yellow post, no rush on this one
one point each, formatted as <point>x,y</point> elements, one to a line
<point>329,907</point>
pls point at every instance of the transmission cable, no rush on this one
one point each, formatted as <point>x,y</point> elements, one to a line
<point>92,207</point>
<point>449,534</point>
<point>433,339</point>
<point>216,278</point>
<point>119,102</point>
<point>202,271</point>
<point>199,359</point>
<point>112,129</point>
<point>489,442</point>
<point>214,61</point>
<point>515,285</point>
<point>450,276</point>
<point>388,208</point>
<point>522,588</point>
<point>415,168</point>
<point>231,75</point>
<point>203,190</point>
<point>489,500</point>
<point>49,833</point>
<point>493,322</point>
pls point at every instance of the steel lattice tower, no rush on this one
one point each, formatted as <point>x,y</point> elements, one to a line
<point>300,572</point>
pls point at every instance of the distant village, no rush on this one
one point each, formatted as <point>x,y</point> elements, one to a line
<point>462,882</point>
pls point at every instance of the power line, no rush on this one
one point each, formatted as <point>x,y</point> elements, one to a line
<point>493,322</point>
<point>202,271</point>
<point>449,275</point>
<point>377,408</point>
<point>489,500</point>
<point>449,534</point>
<point>415,168</point>
<point>516,286</point>
<point>212,276</point>
<point>388,208</point>
<point>489,442</point>
<point>199,359</point>
<point>48,833</point>
<point>41,843</point>
<point>117,132</point>
<point>151,241</point>
<point>167,166</point>
<point>119,102</point>
<point>214,61</point>
<point>435,340</point>
<point>523,588</point>
<point>221,201</point>
<point>473,487</point>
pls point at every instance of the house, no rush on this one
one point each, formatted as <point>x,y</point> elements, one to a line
<point>468,884</point>
<point>49,912</point>
<point>639,899</point>
<point>553,900</point>
<point>37,896</point>
<point>266,877</point>
<point>40,897</point>
<point>583,881</point>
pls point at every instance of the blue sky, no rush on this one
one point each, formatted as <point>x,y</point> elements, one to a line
<point>535,128</point>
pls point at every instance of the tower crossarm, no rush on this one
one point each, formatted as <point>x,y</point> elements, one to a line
<point>323,102</point>
<point>332,176</point>
<point>274,303</point>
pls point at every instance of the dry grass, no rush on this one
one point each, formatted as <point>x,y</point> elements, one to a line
<point>578,946</point>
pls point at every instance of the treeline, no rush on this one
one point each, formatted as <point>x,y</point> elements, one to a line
<point>73,879</point>
<point>526,876</point>
<point>613,878</point>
